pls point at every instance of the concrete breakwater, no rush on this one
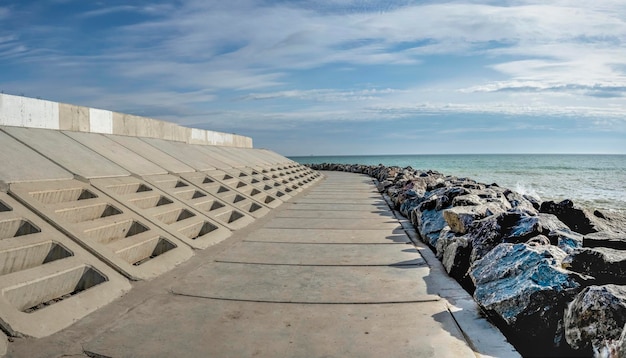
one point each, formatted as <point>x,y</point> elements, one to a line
<point>92,201</point>
<point>551,275</point>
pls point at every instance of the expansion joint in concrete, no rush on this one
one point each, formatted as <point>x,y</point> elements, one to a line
<point>426,300</point>
<point>320,265</point>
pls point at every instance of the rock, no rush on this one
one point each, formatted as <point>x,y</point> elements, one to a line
<point>429,224</point>
<point>455,260</point>
<point>525,287</point>
<point>529,225</point>
<point>596,317</point>
<point>566,239</point>
<point>604,264</point>
<point>614,240</point>
<point>539,240</point>
<point>518,201</point>
<point>467,200</point>
<point>579,220</point>
<point>514,226</point>
<point>459,218</point>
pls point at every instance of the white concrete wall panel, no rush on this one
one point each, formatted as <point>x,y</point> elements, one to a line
<point>28,112</point>
<point>100,121</point>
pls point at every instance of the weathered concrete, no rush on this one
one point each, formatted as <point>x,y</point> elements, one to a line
<point>322,298</point>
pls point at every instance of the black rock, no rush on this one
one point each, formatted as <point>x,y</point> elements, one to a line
<point>577,219</point>
<point>604,264</point>
<point>596,317</point>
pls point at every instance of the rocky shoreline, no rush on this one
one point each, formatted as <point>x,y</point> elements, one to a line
<point>551,276</point>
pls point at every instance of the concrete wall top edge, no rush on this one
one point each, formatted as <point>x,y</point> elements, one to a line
<point>18,111</point>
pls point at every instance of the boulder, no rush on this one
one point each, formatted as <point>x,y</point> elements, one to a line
<point>529,225</point>
<point>459,218</point>
<point>577,219</point>
<point>604,264</point>
<point>596,317</point>
<point>455,260</point>
<point>518,201</point>
<point>539,240</point>
<point>566,239</point>
<point>611,239</point>
<point>429,225</point>
<point>467,200</point>
<point>525,288</point>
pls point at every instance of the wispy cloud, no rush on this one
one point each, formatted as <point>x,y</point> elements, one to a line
<point>252,63</point>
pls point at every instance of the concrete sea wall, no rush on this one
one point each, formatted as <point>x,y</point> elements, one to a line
<point>36,113</point>
<point>92,200</point>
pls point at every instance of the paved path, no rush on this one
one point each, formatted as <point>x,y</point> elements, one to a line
<point>330,274</point>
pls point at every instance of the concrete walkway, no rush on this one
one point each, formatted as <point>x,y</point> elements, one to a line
<point>331,273</point>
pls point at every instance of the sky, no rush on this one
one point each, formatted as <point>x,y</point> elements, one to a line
<point>337,77</point>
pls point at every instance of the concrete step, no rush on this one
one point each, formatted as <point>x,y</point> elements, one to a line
<point>164,210</point>
<point>81,211</point>
<point>47,282</point>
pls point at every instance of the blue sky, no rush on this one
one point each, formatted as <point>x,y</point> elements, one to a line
<point>337,76</point>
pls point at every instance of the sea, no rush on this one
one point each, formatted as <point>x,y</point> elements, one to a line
<point>595,182</point>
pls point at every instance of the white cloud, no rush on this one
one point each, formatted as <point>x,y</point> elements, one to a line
<point>564,58</point>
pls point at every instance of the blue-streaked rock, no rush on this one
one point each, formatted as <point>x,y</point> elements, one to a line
<point>525,287</point>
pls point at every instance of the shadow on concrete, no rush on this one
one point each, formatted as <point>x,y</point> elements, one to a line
<point>398,238</point>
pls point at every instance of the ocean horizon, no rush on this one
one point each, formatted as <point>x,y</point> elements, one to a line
<point>593,181</point>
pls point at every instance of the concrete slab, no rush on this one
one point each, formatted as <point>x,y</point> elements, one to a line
<point>197,327</point>
<point>307,284</point>
<point>20,163</point>
<point>115,234</point>
<point>321,254</point>
<point>4,344</point>
<point>47,281</point>
<point>203,201</point>
<point>185,153</point>
<point>270,184</point>
<point>340,201</point>
<point>329,236</point>
<point>322,214</point>
<point>241,182</point>
<point>225,206</point>
<point>321,206</point>
<point>346,224</point>
<point>116,153</point>
<point>67,152</point>
<point>185,223</point>
<point>151,153</point>
<point>263,183</point>
<point>211,184</point>
<point>221,155</point>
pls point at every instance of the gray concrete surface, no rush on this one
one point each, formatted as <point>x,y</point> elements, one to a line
<point>66,152</point>
<point>20,163</point>
<point>305,289</point>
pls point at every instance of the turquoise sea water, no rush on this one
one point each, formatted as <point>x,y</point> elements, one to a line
<point>592,181</point>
